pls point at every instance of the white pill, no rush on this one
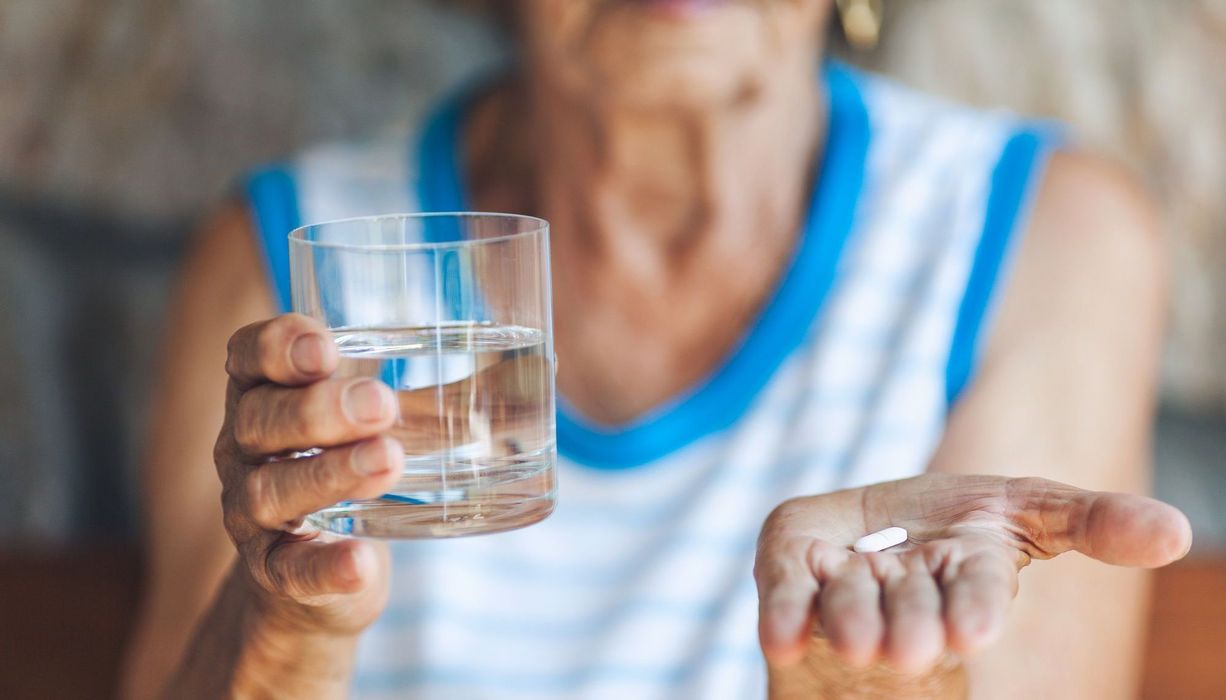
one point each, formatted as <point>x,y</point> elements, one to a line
<point>882,539</point>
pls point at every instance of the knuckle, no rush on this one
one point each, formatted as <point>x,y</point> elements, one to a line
<point>235,525</point>
<point>787,557</point>
<point>232,368</point>
<point>941,556</point>
<point>269,344</point>
<point>234,349</point>
<point>223,449</point>
<point>263,420</point>
<point>299,323</point>
<point>233,518</point>
<point>261,498</point>
<point>325,475</point>
<point>914,564</point>
<point>285,576</point>
<point>263,573</point>
<point>942,548</point>
<point>784,512</point>
<point>1025,483</point>
<point>778,522</point>
<point>275,577</point>
<point>855,619</point>
<point>312,411</point>
<point>858,569</point>
<point>249,431</point>
<point>770,528</point>
<point>887,568</point>
<point>315,412</point>
<point>769,570</point>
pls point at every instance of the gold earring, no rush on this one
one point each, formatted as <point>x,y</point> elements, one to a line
<point>861,20</point>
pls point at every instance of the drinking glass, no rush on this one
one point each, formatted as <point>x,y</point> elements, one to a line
<point>452,311</point>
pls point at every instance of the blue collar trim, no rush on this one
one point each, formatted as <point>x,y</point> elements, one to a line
<point>723,398</point>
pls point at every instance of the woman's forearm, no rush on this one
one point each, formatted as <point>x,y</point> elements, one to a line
<point>239,651</point>
<point>1077,630</point>
<point>823,675</point>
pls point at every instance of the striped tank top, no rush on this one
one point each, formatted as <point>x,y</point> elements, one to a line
<point>640,585</point>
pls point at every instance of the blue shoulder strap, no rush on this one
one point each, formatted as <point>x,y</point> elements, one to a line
<point>273,199</point>
<point>1014,184</point>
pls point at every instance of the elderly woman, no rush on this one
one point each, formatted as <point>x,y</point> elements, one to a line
<point>795,303</point>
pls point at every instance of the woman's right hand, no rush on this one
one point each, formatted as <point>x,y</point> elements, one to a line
<point>282,399</point>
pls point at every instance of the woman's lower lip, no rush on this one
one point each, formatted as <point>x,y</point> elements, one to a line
<point>681,9</point>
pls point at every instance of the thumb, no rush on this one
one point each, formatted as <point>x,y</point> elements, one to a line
<point>1115,528</point>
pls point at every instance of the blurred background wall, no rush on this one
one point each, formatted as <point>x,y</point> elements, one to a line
<point>122,120</point>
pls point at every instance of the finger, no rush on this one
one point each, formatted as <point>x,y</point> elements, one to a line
<point>1114,528</point>
<point>280,493</point>
<point>272,419</point>
<point>787,593</point>
<point>915,632</point>
<point>978,591</point>
<point>290,350</point>
<point>306,570</point>
<point>850,605</point>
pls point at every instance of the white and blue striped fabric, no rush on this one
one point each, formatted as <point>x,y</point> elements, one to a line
<point>639,586</point>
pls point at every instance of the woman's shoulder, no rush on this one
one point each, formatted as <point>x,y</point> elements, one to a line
<point>326,182</point>
<point>892,104</point>
<point>371,156</point>
<point>1096,229</point>
<point>917,131</point>
<point>337,179</point>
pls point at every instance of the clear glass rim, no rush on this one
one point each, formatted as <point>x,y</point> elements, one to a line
<point>539,225</point>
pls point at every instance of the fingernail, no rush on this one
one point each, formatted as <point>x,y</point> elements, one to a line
<point>370,458</point>
<point>307,353</point>
<point>366,401</point>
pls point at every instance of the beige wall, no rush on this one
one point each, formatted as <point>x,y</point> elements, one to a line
<point>1144,80</point>
<point>151,107</point>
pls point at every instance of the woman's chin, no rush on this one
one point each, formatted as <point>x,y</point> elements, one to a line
<point>674,53</point>
<point>691,87</point>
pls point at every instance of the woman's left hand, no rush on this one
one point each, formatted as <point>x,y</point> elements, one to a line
<point>949,586</point>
